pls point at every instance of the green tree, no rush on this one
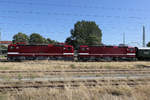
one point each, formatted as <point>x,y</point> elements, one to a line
<point>71,41</point>
<point>51,41</point>
<point>85,33</point>
<point>36,38</point>
<point>45,41</point>
<point>148,44</point>
<point>20,37</point>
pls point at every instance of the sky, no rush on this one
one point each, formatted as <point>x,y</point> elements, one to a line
<point>55,18</point>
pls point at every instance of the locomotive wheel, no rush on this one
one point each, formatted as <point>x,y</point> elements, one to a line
<point>9,59</point>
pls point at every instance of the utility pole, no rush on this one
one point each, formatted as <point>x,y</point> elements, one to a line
<point>143,36</point>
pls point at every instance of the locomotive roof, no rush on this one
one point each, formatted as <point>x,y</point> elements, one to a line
<point>57,45</point>
<point>105,46</point>
<point>32,44</point>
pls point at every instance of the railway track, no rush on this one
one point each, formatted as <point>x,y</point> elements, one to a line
<point>72,73</point>
<point>105,78</point>
<point>81,71</point>
<point>75,73</point>
<point>19,85</point>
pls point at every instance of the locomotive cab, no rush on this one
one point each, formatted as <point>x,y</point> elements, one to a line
<point>12,53</point>
<point>83,53</point>
<point>131,51</point>
<point>68,52</point>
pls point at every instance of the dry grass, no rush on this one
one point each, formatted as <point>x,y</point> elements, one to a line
<point>50,65</point>
<point>83,93</point>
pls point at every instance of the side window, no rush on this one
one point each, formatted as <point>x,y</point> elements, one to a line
<point>17,47</point>
<point>145,52</point>
<point>69,48</point>
<point>64,48</point>
<point>131,49</point>
<point>12,47</point>
<point>84,49</point>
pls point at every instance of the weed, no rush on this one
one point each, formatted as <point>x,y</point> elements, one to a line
<point>5,68</point>
<point>72,66</point>
<point>32,76</point>
<point>20,77</point>
<point>84,93</point>
<point>3,97</point>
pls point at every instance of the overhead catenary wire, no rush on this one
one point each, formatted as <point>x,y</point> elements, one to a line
<point>74,6</point>
<point>70,14</point>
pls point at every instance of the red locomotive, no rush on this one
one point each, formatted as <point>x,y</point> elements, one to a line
<point>106,53</point>
<point>31,52</point>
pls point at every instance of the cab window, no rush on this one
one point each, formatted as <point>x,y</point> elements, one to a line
<point>17,47</point>
<point>145,52</point>
<point>84,49</point>
<point>69,48</point>
<point>12,47</point>
<point>64,48</point>
<point>131,49</point>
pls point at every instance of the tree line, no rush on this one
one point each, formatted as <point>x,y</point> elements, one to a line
<point>83,33</point>
<point>34,38</point>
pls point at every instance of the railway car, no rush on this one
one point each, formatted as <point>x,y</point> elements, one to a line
<point>32,52</point>
<point>143,53</point>
<point>106,53</point>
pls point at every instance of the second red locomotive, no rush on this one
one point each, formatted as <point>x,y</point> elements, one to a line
<point>106,53</point>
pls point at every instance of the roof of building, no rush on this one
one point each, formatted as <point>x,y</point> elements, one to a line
<point>5,42</point>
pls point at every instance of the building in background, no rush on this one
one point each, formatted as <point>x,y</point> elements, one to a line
<point>5,43</point>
